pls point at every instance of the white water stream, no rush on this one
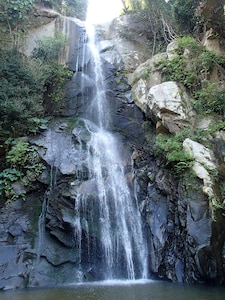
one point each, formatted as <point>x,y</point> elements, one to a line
<point>120,243</point>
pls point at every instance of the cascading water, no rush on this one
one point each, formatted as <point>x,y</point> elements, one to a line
<point>107,215</point>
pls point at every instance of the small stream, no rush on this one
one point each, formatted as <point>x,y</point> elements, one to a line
<point>124,290</point>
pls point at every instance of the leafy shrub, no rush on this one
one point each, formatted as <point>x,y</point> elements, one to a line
<point>24,166</point>
<point>53,75</point>
<point>49,48</point>
<point>56,77</point>
<point>190,43</point>
<point>210,99</point>
<point>170,151</point>
<point>23,84</point>
<point>192,66</point>
<point>36,124</point>
<point>7,177</point>
<point>13,12</point>
<point>184,13</point>
<point>20,93</point>
<point>76,8</point>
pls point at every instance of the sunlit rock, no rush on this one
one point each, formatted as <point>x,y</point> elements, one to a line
<point>148,71</point>
<point>168,103</point>
<point>171,49</point>
<point>204,159</point>
<point>129,41</point>
<point>202,155</point>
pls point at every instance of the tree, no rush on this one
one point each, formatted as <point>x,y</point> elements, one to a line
<point>13,12</point>
<point>20,94</point>
<point>211,13</point>
<point>184,14</point>
<point>157,24</point>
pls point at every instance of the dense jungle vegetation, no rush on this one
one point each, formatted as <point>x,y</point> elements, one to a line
<point>25,83</point>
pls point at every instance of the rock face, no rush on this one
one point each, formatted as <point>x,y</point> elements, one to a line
<point>38,240</point>
<point>183,216</point>
<point>52,22</point>
<point>130,43</point>
<point>185,234</point>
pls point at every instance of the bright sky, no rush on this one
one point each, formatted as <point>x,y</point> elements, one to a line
<point>101,11</point>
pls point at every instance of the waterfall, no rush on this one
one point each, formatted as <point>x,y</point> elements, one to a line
<point>107,224</point>
<point>41,229</point>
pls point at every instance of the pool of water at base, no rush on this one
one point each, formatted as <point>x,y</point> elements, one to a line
<point>120,290</point>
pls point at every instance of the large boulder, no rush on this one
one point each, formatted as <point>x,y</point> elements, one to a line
<point>166,103</point>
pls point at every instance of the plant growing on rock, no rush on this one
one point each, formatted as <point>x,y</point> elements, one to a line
<point>53,74</point>
<point>192,65</point>
<point>210,98</point>
<point>14,19</point>
<point>24,166</point>
<point>170,151</point>
<point>156,22</point>
<point>20,94</point>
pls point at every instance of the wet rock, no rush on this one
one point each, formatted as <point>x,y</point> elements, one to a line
<point>206,263</point>
<point>13,273</point>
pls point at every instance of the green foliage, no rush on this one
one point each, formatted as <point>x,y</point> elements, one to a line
<point>153,20</point>
<point>188,42</point>
<point>24,167</point>
<point>36,125</point>
<point>50,48</point>
<point>137,5</point>
<point>210,99</point>
<point>14,11</point>
<point>7,177</point>
<point>74,8</point>
<point>56,77</point>
<point>175,70</point>
<point>222,192</point>
<point>170,151</point>
<point>192,66</point>
<point>20,94</point>
<point>14,21</point>
<point>23,84</point>
<point>184,14</point>
<point>19,154</point>
<point>147,72</point>
<point>53,75</point>
<point>216,126</point>
<point>134,4</point>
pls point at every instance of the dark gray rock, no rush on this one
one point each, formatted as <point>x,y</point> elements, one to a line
<point>38,241</point>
